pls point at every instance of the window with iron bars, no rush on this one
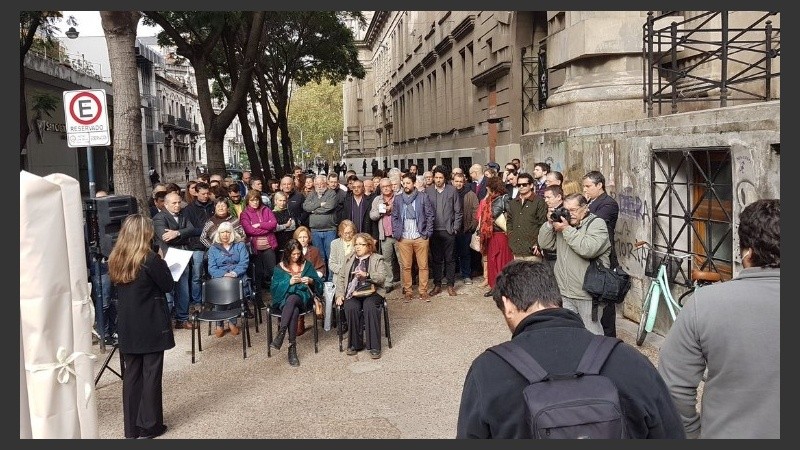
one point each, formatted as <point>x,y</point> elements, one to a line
<point>692,197</point>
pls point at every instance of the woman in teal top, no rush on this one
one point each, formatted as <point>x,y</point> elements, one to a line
<point>295,282</point>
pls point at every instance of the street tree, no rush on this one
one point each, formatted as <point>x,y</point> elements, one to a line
<point>196,34</point>
<point>318,109</point>
<point>120,31</point>
<point>303,46</point>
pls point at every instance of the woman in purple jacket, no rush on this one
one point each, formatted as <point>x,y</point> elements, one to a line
<point>258,220</point>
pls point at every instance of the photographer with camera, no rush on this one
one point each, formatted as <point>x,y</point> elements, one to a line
<point>578,239</point>
<point>554,199</point>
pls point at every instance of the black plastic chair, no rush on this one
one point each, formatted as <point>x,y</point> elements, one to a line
<point>223,299</point>
<point>277,315</point>
<point>340,324</point>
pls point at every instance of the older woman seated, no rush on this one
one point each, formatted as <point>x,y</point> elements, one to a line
<point>228,257</point>
<point>295,282</point>
<point>360,286</point>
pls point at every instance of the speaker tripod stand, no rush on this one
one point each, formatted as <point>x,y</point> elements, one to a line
<point>111,369</point>
<point>96,256</point>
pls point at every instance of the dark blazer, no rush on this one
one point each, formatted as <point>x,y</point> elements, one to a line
<point>143,321</point>
<point>165,221</point>
<point>349,210</point>
<point>606,208</point>
<point>425,215</point>
<point>452,208</point>
<point>492,405</point>
<point>294,203</point>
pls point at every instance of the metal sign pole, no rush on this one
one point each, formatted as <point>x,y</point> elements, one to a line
<point>90,166</point>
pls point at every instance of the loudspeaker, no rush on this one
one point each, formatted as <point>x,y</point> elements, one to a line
<point>104,218</point>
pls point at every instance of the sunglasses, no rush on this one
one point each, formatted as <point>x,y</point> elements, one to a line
<point>523,184</point>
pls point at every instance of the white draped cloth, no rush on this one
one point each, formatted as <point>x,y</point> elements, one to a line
<point>57,397</point>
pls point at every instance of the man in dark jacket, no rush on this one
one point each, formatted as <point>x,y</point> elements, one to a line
<point>294,201</point>
<point>173,229</point>
<point>605,207</point>
<point>198,213</point>
<point>492,404</point>
<point>447,220</point>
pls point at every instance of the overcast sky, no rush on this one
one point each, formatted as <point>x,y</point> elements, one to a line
<point>89,24</point>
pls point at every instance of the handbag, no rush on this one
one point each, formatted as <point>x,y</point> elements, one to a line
<point>319,309</point>
<point>261,243</point>
<point>605,284</point>
<point>365,288</point>
<point>501,221</point>
<point>475,241</point>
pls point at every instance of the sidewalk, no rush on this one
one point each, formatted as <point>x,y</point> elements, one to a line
<point>413,391</point>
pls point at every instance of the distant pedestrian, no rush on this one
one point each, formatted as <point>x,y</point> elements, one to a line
<point>364,166</point>
<point>374,165</point>
<point>186,173</point>
<point>154,177</point>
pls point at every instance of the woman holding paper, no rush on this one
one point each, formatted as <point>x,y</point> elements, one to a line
<point>142,279</point>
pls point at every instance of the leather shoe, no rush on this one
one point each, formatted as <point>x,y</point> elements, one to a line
<point>435,291</point>
<point>219,332</point>
<point>407,297</point>
<point>451,291</point>
<point>488,293</point>
<point>375,354</point>
<point>234,329</point>
<point>186,325</point>
<point>425,297</point>
<point>352,351</point>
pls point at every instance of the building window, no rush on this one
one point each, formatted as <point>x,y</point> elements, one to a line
<point>692,198</point>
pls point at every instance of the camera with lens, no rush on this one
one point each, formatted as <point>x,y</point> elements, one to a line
<point>560,212</point>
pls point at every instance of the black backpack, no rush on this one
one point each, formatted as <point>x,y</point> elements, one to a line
<point>578,405</point>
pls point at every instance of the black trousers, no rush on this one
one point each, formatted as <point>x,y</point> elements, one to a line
<point>609,318</point>
<point>142,393</point>
<point>441,251</point>
<point>290,315</point>
<point>371,317</point>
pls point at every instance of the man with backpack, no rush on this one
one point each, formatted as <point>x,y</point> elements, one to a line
<point>620,392</point>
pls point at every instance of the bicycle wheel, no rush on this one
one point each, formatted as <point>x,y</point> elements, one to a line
<point>652,293</point>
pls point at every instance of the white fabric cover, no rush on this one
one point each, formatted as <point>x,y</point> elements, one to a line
<point>56,313</point>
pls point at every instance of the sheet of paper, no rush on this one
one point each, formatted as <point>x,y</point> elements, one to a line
<point>177,260</point>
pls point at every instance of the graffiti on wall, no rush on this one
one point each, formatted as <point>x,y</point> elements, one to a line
<point>631,205</point>
<point>554,165</point>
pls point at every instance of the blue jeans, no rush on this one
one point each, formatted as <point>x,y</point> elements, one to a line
<point>108,313</point>
<point>322,240</point>
<point>180,296</point>
<point>197,273</point>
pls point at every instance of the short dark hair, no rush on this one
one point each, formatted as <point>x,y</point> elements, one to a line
<point>555,190</point>
<point>596,177</point>
<point>576,196</point>
<point>760,231</point>
<point>442,170</point>
<point>543,165</point>
<point>524,283</point>
<point>496,185</point>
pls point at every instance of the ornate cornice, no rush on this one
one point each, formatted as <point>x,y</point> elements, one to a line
<point>464,28</point>
<point>442,47</point>
<point>429,59</point>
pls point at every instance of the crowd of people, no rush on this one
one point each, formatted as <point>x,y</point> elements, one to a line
<point>400,230</point>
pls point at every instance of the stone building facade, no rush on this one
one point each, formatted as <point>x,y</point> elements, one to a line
<point>686,130</point>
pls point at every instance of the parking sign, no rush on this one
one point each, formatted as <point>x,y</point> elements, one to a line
<point>87,118</point>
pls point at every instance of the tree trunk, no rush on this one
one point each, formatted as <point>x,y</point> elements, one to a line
<point>129,175</point>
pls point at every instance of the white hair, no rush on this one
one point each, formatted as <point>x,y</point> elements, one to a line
<point>226,226</point>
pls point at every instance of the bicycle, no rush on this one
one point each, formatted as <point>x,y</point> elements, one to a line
<point>659,286</point>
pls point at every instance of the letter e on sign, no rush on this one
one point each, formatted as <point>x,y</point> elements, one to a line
<point>86,117</point>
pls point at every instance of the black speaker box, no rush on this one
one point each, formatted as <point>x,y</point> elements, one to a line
<point>104,218</point>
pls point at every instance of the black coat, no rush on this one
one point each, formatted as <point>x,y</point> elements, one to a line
<point>143,321</point>
<point>349,209</point>
<point>606,208</point>
<point>492,405</point>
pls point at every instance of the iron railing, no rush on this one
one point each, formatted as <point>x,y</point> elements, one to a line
<point>699,58</point>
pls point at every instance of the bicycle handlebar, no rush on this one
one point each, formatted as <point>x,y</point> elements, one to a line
<point>640,244</point>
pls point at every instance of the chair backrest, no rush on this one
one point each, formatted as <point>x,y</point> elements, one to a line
<point>223,291</point>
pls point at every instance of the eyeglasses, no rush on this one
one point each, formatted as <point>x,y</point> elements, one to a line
<point>523,184</point>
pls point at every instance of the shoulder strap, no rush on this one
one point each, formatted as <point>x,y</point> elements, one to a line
<point>590,221</point>
<point>600,347</point>
<point>520,360</point>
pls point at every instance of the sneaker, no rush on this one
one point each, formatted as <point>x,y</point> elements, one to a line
<point>375,354</point>
<point>407,297</point>
<point>467,280</point>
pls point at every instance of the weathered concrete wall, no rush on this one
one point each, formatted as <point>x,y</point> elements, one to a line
<point>622,152</point>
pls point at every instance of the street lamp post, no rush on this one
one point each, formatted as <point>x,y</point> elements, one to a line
<point>301,140</point>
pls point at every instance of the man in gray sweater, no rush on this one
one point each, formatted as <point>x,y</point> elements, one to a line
<point>733,330</point>
<point>322,206</point>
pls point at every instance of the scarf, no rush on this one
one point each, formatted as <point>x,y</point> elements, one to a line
<point>463,191</point>
<point>486,221</point>
<point>408,205</point>
<point>361,264</point>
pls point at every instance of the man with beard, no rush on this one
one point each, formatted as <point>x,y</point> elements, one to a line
<point>412,226</point>
<point>469,202</point>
